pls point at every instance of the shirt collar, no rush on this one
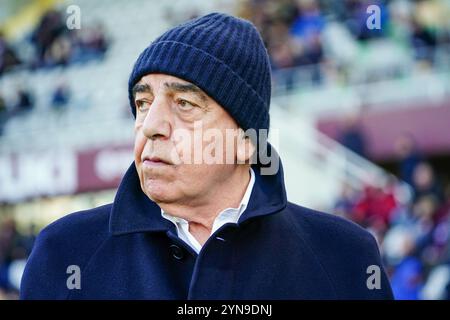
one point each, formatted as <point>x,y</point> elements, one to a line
<point>132,211</point>
<point>228,215</point>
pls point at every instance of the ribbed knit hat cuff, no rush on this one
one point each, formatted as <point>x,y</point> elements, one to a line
<point>192,64</point>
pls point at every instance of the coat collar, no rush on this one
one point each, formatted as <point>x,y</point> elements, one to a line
<point>132,211</point>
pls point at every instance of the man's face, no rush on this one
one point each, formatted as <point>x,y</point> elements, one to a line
<point>172,144</point>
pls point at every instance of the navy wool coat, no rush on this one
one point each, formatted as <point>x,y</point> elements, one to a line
<point>278,250</point>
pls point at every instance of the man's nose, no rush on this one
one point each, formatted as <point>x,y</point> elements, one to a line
<point>157,121</point>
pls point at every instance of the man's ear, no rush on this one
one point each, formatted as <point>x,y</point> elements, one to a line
<point>244,149</point>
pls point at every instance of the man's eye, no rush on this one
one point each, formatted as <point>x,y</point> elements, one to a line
<point>142,105</point>
<point>185,105</point>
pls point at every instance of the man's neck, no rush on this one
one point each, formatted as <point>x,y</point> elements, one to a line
<point>226,195</point>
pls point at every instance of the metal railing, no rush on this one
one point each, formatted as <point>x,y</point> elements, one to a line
<point>304,141</point>
<point>307,77</point>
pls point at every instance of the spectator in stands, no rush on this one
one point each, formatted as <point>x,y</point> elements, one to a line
<point>8,57</point>
<point>94,40</point>
<point>345,204</point>
<point>423,42</point>
<point>25,101</point>
<point>430,29</point>
<point>61,95</point>
<point>407,277</point>
<point>283,58</point>
<point>11,249</point>
<point>375,208</point>
<point>444,211</point>
<point>407,280</point>
<point>306,32</point>
<point>59,53</point>
<point>50,27</point>
<point>89,43</point>
<point>352,135</point>
<point>425,183</point>
<point>58,46</point>
<point>281,46</point>
<point>310,21</point>
<point>409,156</point>
<point>3,113</point>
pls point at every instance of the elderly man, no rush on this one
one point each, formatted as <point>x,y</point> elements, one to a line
<point>187,227</point>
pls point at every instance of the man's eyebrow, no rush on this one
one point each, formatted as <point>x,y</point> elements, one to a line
<point>186,87</point>
<point>142,88</point>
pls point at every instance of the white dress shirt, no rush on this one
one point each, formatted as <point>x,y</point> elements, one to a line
<point>229,215</point>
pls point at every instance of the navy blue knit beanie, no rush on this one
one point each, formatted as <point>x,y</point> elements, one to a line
<point>224,56</point>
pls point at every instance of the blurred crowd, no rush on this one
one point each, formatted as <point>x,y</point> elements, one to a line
<point>8,57</point>
<point>23,101</point>
<point>57,45</point>
<point>312,41</point>
<point>15,247</point>
<point>411,223</point>
<point>52,43</point>
<point>328,37</point>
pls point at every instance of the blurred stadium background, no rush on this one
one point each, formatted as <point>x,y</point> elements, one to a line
<point>363,117</point>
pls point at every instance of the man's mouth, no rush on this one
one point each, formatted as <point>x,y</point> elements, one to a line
<point>155,161</point>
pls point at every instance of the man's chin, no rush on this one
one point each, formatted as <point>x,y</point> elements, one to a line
<point>159,192</point>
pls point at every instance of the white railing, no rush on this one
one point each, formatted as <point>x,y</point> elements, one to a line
<point>427,89</point>
<point>321,75</point>
<point>317,167</point>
